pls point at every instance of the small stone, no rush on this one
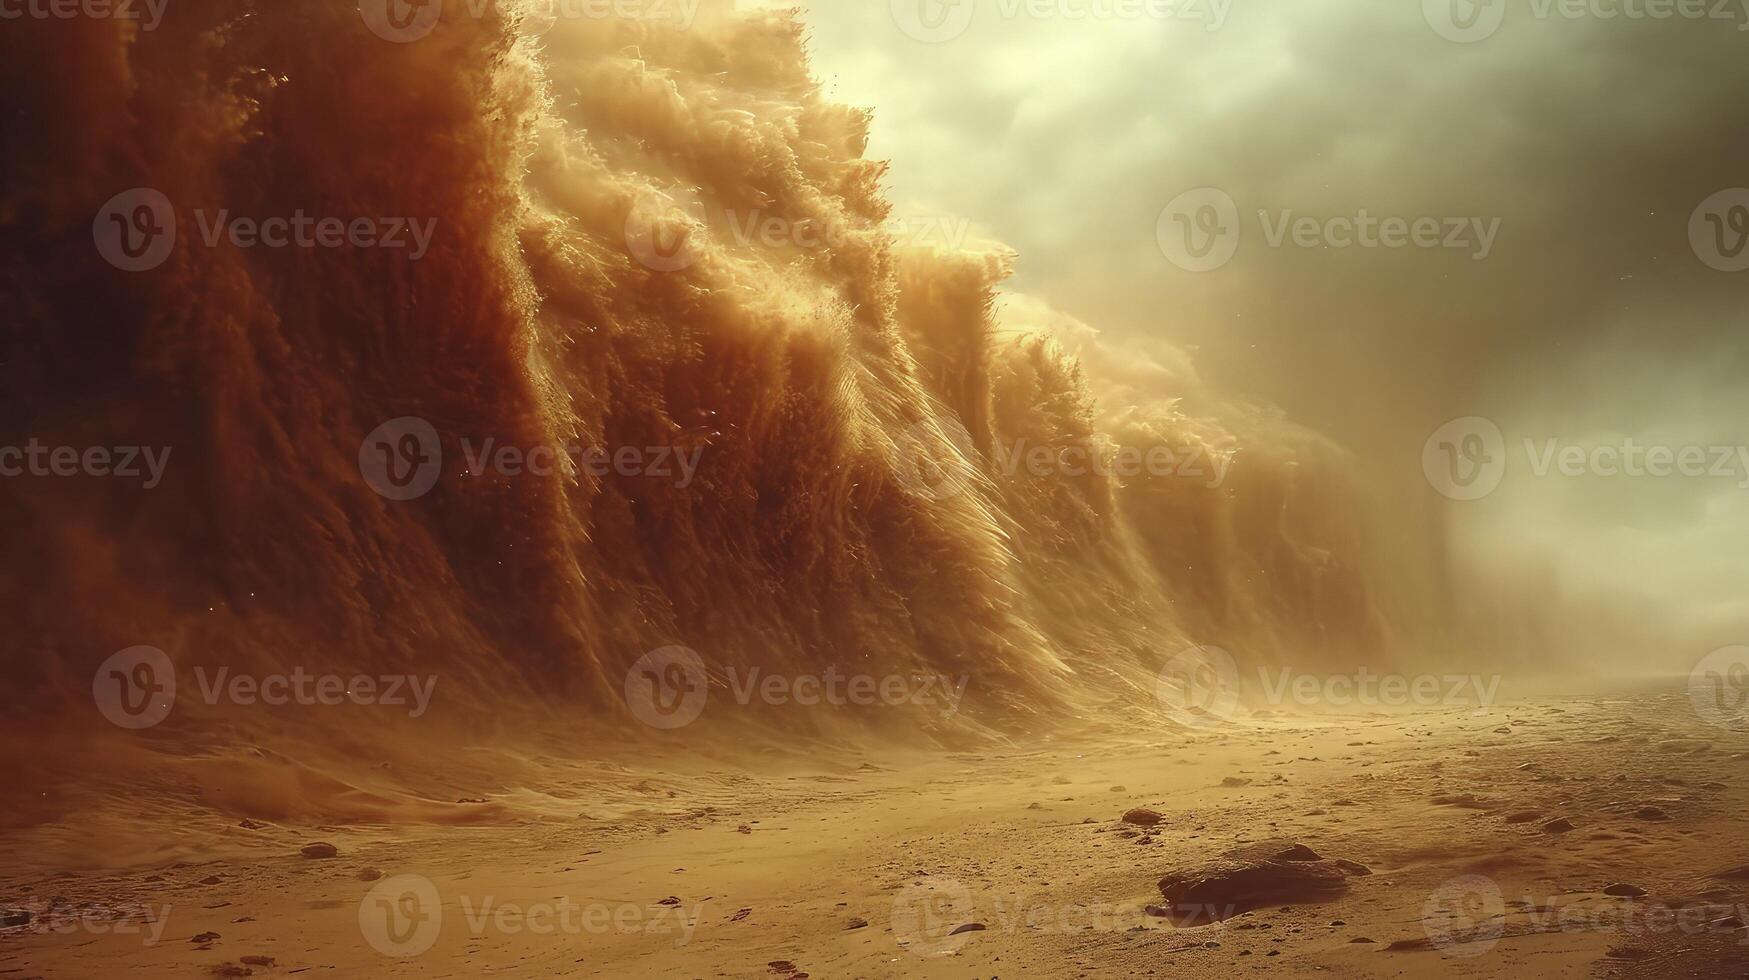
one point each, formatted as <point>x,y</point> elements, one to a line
<point>320,849</point>
<point>1142,817</point>
<point>1622,890</point>
<point>968,927</point>
<point>857,923</point>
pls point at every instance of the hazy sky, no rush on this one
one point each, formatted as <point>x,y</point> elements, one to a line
<point>1561,152</point>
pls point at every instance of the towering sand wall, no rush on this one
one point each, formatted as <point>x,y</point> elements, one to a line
<point>834,435</point>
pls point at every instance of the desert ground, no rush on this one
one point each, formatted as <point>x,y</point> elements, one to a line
<point>1448,843</point>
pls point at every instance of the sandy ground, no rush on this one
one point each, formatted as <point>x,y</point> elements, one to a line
<point>887,865</point>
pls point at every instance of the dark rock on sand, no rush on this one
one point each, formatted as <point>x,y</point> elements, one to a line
<point>1142,817</point>
<point>320,849</point>
<point>1259,876</point>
